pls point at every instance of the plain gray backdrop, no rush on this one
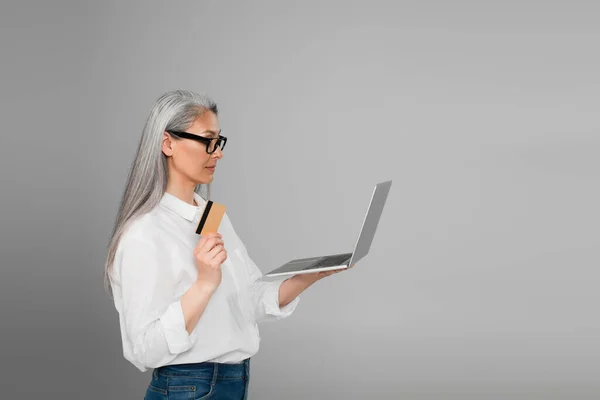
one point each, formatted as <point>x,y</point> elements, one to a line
<point>482,281</point>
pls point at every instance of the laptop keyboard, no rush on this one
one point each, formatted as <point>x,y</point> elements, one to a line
<point>330,261</point>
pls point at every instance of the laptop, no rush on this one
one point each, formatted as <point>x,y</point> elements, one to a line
<point>344,260</point>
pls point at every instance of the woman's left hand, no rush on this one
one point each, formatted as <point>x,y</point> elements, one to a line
<point>308,279</point>
<point>292,287</point>
<point>325,274</point>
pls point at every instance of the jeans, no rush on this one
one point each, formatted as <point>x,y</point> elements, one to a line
<point>197,381</point>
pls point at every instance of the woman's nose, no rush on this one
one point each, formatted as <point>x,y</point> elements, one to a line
<point>218,153</point>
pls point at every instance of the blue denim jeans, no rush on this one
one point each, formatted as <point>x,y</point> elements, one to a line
<point>205,380</point>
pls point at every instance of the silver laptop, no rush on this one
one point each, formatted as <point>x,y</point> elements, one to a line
<point>345,260</point>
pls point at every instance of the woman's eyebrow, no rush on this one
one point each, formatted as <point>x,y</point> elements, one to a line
<point>212,133</point>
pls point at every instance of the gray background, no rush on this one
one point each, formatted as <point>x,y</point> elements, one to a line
<point>483,277</point>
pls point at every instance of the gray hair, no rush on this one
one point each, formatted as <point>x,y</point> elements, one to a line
<point>175,110</point>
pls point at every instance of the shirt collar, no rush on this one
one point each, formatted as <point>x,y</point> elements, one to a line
<point>182,208</point>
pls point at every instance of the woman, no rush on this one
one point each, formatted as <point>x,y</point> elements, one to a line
<point>188,305</point>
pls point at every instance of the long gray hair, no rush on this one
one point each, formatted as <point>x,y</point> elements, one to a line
<point>175,110</point>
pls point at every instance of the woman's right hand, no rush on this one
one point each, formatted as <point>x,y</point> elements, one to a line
<point>209,254</point>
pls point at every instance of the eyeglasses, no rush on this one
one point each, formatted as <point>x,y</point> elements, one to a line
<point>211,143</point>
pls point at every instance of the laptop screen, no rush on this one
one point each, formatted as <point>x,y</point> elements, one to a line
<point>367,233</point>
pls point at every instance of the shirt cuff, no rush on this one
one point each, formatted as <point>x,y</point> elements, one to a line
<point>271,301</point>
<point>173,323</point>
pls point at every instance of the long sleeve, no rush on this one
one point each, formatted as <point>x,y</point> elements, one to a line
<point>264,296</point>
<point>154,320</point>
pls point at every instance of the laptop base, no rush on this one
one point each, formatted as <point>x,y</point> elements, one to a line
<point>312,265</point>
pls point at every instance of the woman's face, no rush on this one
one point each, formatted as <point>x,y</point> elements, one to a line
<point>188,157</point>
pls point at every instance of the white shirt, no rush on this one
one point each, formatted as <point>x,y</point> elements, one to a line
<point>154,266</point>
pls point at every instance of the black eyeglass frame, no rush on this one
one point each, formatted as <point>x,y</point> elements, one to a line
<point>221,140</point>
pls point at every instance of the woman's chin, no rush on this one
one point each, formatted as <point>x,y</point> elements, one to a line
<point>206,179</point>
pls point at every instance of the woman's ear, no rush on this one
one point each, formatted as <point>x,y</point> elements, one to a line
<point>167,144</point>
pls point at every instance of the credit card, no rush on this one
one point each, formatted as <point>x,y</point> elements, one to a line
<point>211,218</point>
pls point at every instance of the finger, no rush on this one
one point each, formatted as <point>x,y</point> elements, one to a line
<point>210,244</point>
<point>212,236</point>
<point>203,240</point>
<point>215,251</point>
<point>221,257</point>
<point>206,247</point>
